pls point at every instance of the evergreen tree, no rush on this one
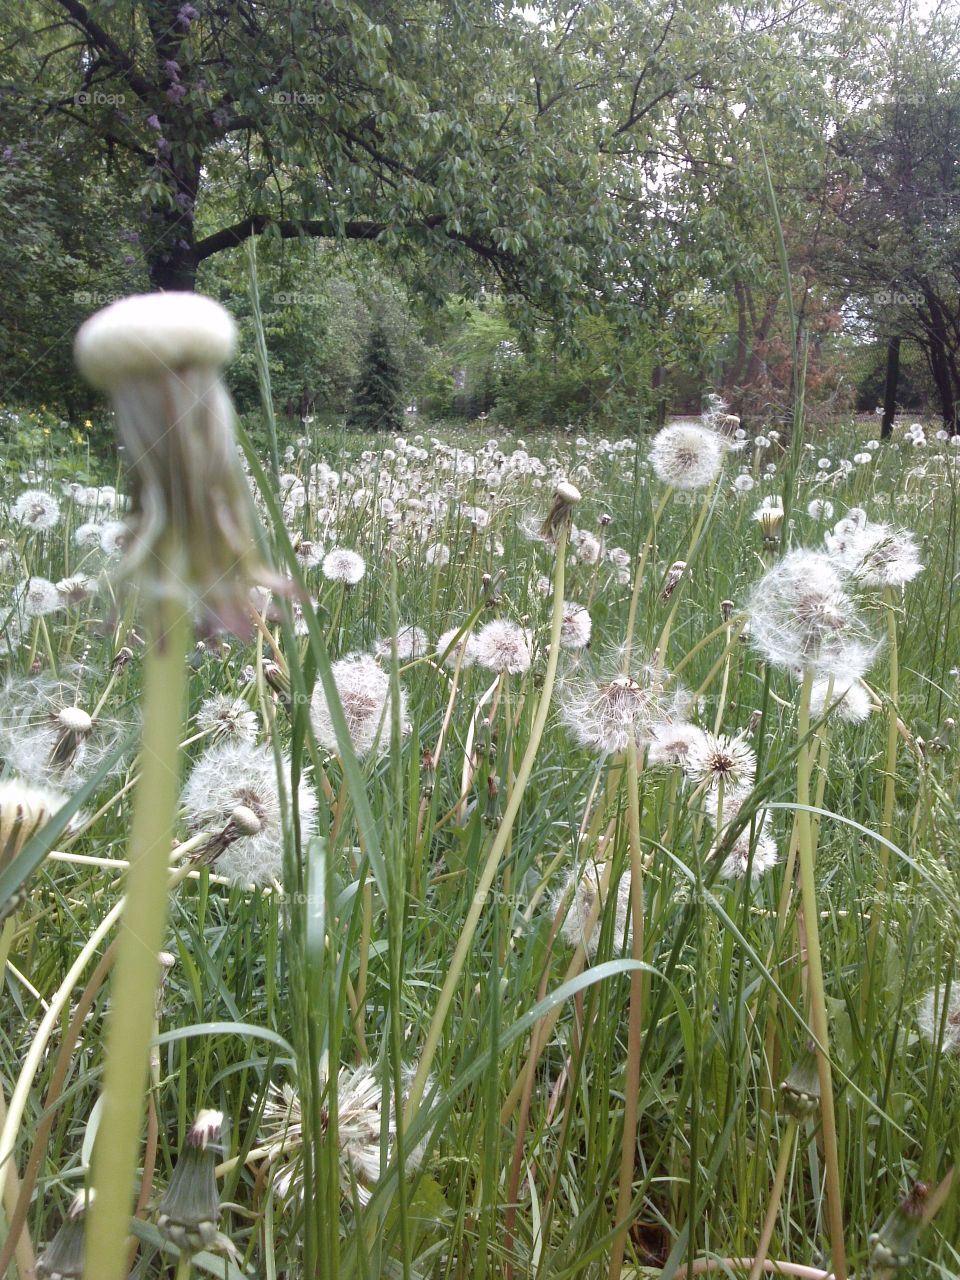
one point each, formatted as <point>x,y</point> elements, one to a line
<point>378,394</point>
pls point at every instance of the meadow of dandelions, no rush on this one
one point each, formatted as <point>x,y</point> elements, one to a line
<point>510,933</point>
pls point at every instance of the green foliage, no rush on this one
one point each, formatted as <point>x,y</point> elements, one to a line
<point>377,403</point>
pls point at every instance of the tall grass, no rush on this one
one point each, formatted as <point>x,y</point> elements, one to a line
<point>411,921</point>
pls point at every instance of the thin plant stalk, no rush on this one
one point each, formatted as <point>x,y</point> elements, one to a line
<point>776,1192</point>
<point>818,1004</point>
<point>144,922</point>
<point>501,840</point>
<point>631,1094</point>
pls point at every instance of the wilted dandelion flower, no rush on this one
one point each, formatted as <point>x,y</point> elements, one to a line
<point>47,736</point>
<point>685,456</point>
<point>233,793</point>
<point>411,643</point>
<point>36,509</point>
<point>364,689</point>
<point>504,646</point>
<point>341,565</point>
<point>467,646</point>
<point>713,759</point>
<point>605,715</point>
<point>24,810</point>
<point>801,617</point>
<point>189,1209</point>
<point>580,893</point>
<point>848,698</point>
<point>576,626</point>
<point>159,356</point>
<point>360,1125</point>
<point>63,1258</point>
<point>226,719</point>
<point>932,1016</point>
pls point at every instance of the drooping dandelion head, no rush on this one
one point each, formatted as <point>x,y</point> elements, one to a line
<point>192,534</point>
<point>576,627</point>
<point>686,456</point>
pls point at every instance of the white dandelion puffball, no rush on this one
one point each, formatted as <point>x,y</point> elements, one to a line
<point>576,626</point>
<point>757,854</point>
<point>879,555</point>
<point>718,758</point>
<point>37,597</point>
<point>581,894</point>
<point>364,689</point>
<point>932,1016</point>
<point>115,538</point>
<point>226,719</point>
<point>801,617</point>
<point>154,333</point>
<point>87,536</point>
<point>670,744</point>
<point>438,554</point>
<point>605,715</point>
<point>820,509</point>
<point>411,643</point>
<point>341,565</point>
<point>36,509</point>
<point>847,699</point>
<point>48,737</point>
<point>233,791</point>
<point>360,1126</point>
<point>464,651</point>
<point>504,646</point>
<point>686,456</point>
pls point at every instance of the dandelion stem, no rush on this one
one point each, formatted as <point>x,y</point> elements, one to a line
<point>144,920</point>
<point>776,1191</point>
<point>500,842</point>
<point>817,996</point>
<point>631,1097</point>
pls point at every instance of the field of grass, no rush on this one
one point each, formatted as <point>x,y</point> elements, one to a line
<point>571,974</point>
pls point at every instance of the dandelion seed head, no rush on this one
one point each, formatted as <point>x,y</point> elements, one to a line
<point>37,510</point>
<point>932,1015</point>
<point>685,456</point>
<point>411,643</point>
<point>851,698</point>
<point>576,627</point>
<point>226,719</point>
<point>239,776</point>
<point>38,597</point>
<point>341,565</point>
<point>364,689</point>
<point>504,646</point>
<point>578,896</point>
<point>467,645</point>
<point>715,758</point>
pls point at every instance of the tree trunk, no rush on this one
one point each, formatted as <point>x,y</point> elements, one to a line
<point>937,348</point>
<point>890,388</point>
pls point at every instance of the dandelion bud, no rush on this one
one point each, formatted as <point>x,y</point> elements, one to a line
<point>800,1092</point>
<point>428,772</point>
<point>565,498</point>
<point>674,574</point>
<point>190,1209</point>
<point>63,1257</point>
<point>278,681</point>
<point>726,610</point>
<point>753,724</point>
<point>896,1240</point>
<point>123,658</point>
<point>159,356</point>
<point>491,812</point>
